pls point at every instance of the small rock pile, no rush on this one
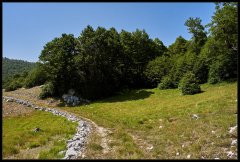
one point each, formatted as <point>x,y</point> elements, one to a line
<point>76,145</point>
<point>73,100</point>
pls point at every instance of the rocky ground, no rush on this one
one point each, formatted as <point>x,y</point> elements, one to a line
<point>14,109</point>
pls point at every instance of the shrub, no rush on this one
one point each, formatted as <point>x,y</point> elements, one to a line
<point>156,70</point>
<point>47,90</point>
<point>167,83</point>
<point>217,72</point>
<point>35,77</point>
<point>189,85</point>
<point>14,84</point>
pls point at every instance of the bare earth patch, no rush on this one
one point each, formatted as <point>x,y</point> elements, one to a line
<point>32,95</point>
<point>14,109</point>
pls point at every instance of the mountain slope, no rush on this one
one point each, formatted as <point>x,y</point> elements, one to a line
<point>11,67</point>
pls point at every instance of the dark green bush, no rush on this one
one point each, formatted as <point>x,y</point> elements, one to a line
<point>189,85</point>
<point>217,72</point>
<point>157,69</point>
<point>15,82</point>
<point>35,77</point>
<point>47,90</point>
<point>167,83</point>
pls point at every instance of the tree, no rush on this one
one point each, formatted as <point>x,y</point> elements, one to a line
<point>57,58</point>
<point>189,85</point>
<point>179,47</point>
<point>223,29</point>
<point>199,36</point>
<point>157,69</point>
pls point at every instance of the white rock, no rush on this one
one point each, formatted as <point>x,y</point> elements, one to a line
<point>232,129</point>
<point>234,142</point>
<point>177,154</point>
<point>160,127</point>
<point>150,148</point>
<point>230,154</point>
<point>189,156</point>
<point>195,116</point>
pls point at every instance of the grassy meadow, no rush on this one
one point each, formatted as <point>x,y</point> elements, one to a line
<point>153,123</point>
<point>21,142</point>
<point>144,124</point>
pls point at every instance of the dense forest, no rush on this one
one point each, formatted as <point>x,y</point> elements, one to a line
<point>101,62</point>
<point>12,68</point>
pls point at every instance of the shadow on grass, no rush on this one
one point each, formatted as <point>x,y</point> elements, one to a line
<point>128,96</point>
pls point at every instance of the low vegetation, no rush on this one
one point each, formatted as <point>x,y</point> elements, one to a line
<point>11,67</point>
<point>163,119</point>
<point>19,135</point>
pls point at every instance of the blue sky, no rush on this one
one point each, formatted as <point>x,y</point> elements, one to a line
<point>27,27</point>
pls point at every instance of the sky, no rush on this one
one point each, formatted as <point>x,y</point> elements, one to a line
<point>27,27</point>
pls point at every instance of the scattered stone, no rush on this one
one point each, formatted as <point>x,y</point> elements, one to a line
<point>234,142</point>
<point>177,154</point>
<point>150,148</point>
<point>213,132</point>
<point>62,152</point>
<point>182,146</point>
<point>195,116</point>
<point>230,154</point>
<point>189,156</point>
<point>233,131</point>
<point>36,129</point>
<point>160,127</point>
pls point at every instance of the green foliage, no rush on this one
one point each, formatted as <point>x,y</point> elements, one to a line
<point>99,62</point>
<point>217,72</point>
<point>10,67</point>
<point>16,82</point>
<point>35,77</point>
<point>47,90</point>
<point>199,36</point>
<point>157,69</point>
<point>179,47</point>
<point>167,83</point>
<point>57,58</point>
<point>189,84</point>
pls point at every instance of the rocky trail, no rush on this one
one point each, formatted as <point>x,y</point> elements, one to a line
<point>76,145</point>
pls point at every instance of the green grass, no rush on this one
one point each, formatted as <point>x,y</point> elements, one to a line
<point>18,132</point>
<point>142,112</point>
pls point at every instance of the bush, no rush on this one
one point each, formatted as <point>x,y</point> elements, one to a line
<point>35,77</point>
<point>217,72</point>
<point>167,83</point>
<point>156,70</point>
<point>189,85</point>
<point>14,84</point>
<point>47,90</point>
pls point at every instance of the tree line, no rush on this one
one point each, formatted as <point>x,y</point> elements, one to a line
<point>102,62</point>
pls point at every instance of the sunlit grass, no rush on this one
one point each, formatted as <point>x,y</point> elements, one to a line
<point>163,118</point>
<point>18,131</point>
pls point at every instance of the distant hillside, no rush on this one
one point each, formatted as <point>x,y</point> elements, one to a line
<point>11,67</point>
